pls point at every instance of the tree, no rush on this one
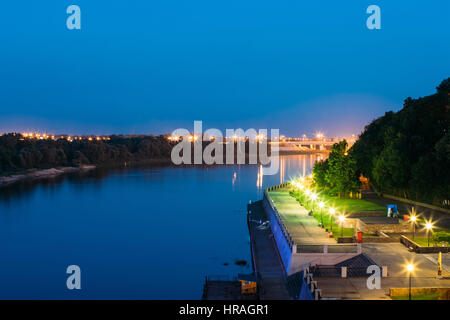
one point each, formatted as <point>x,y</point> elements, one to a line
<point>320,171</point>
<point>338,173</point>
<point>407,152</point>
<point>341,175</point>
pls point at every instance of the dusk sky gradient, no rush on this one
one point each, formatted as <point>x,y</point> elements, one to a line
<point>154,66</point>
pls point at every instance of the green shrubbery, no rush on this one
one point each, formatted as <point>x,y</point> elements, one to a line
<point>441,236</point>
<point>337,175</point>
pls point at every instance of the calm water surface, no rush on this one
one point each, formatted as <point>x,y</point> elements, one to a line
<point>135,233</point>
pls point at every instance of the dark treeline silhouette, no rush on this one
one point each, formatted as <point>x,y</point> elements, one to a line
<point>407,153</point>
<point>18,153</point>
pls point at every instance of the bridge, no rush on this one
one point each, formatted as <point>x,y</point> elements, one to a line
<point>310,144</point>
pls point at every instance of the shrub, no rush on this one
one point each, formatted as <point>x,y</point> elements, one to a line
<point>441,236</point>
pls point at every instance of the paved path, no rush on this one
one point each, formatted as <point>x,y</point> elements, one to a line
<point>442,218</point>
<point>395,256</point>
<point>303,229</point>
<point>267,262</point>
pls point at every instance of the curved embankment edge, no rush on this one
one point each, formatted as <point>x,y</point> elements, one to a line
<point>42,174</point>
<point>281,236</point>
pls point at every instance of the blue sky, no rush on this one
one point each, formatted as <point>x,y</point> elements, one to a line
<point>154,66</point>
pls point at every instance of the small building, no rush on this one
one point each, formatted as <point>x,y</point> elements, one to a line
<point>249,283</point>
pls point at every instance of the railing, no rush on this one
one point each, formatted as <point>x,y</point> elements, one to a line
<point>310,249</point>
<point>277,215</point>
<point>333,271</point>
<point>329,249</point>
<point>343,248</point>
<point>279,186</point>
<point>419,249</point>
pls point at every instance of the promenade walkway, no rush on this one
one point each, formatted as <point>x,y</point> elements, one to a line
<point>395,256</point>
<point>303,229</point>
<point>267,263</point>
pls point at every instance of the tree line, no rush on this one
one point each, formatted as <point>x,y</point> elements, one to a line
<point>18,153</point>
<point>404,153</point>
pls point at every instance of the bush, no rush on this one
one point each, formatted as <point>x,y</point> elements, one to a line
<point>441,236</point>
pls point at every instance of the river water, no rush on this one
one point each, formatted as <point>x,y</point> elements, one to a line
<point>135,233</point>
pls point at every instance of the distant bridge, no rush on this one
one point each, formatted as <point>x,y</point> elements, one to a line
<point>313,144</point>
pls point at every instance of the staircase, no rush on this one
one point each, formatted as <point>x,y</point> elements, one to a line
<point>366,190</point>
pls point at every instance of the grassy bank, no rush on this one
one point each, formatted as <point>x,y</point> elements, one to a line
<point>424,296</point>
<point>341,206</point>
<point>349,205</point>
<point>423,241</point>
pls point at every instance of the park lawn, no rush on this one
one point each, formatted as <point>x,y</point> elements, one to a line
<point>340,205</point>
<point>347,232</point>
<point>350,205</point>
<point>423,241</point>
<point>424,296</point>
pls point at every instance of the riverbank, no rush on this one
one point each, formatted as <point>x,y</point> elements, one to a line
<point>42,174</point>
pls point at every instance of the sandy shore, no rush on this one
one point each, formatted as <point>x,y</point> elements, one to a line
<point>42,174</point>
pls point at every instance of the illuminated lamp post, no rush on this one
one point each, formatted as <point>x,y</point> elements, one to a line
<point>321,205</point>
<point>341,221</point>
<point>313,199</point>
<point>307,192</point>
<point>410,269</point>
<point>332,212</point>
<point>413,221</point>
<point>429,228</point>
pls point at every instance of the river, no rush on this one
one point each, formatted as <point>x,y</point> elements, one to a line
<point>137,233</point>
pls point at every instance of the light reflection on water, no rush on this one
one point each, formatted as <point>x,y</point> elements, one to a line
<point>136,233</point>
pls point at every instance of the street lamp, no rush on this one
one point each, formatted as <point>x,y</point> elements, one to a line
<point>313,197</point>
<point>413,221</point>
<point>410,269</point>
<point>341,220</point>
<point>332,212</point>
<point>321,205</point>
<point>429,228</point>
<point>307,192</point>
